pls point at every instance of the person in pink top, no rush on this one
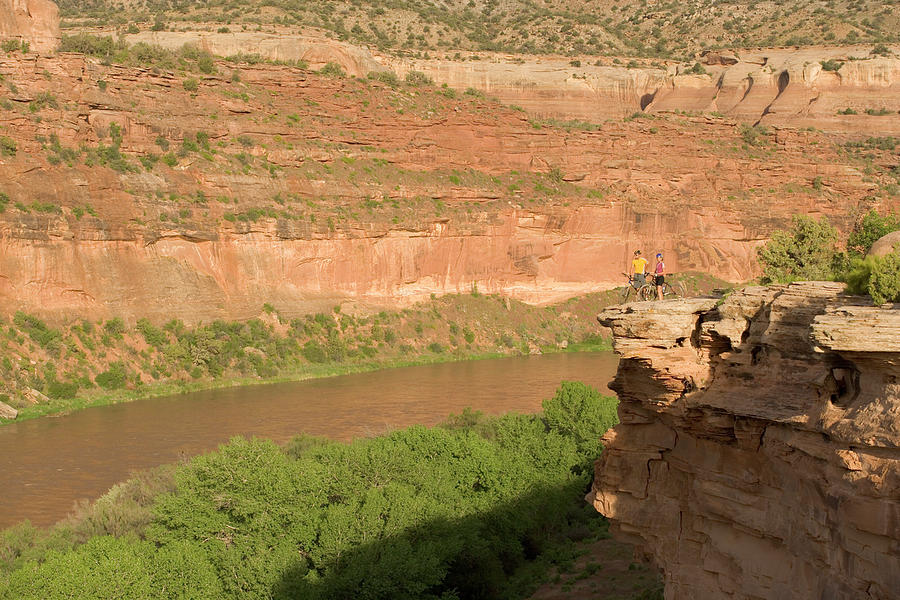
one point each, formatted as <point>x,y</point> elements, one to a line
<point>659,275</point>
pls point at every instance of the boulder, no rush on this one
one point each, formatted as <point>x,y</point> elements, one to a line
<point>7,411</point>
<point>886,244</point>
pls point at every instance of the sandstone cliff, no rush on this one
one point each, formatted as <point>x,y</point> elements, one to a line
<point>775,86</point>
<point>758,454</point>
<point>32,21</point>
<point>274,184</point>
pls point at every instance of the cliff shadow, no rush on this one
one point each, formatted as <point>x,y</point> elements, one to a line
<point>504,552</point>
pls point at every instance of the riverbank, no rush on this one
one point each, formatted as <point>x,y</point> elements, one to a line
<point>59,407</point>
<point>50,370</point>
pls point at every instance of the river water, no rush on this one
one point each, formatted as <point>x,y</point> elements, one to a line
<point>47,464</point>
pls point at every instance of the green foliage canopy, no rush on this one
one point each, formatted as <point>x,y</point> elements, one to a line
<point>806,251</point>
<point>423,513</point>
<point>869,230</point>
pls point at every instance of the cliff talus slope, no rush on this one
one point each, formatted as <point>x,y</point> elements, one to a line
<point>759,450</point>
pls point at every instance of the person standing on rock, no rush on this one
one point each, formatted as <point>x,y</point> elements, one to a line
<point>659,275</point>
<point>638,270</point>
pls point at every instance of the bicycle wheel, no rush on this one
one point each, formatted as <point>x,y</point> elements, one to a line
<point>647,292</point>
<point>678,289</point>
<point>626,292</point>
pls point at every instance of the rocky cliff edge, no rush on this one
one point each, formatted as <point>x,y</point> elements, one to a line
<point>758,454</point>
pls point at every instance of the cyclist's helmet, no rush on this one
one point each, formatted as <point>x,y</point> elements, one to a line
<point>636,252</point>
<point>659,255</point>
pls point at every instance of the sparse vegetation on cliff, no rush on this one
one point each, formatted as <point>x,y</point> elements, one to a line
<point>554,27</point>
<point>478,507</point>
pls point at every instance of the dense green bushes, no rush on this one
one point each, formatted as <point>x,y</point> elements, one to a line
<point>810,251</point>
<point>805,252</point>
<point>449,512</point>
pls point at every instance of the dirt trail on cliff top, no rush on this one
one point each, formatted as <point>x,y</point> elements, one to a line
<point>130,190</point>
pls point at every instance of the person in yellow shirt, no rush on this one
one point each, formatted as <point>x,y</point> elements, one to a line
<point>638,270</point>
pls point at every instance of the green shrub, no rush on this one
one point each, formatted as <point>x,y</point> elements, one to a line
<point>7,146</point>
<point>697,69</point>
<point>579,412</point>
<point>114,327</point>
<point>13,45</point>
<point>314,352</point>
<point>59,390</point>
<point>206,64</point>
<point>154,336</point>
<point>387,77</point>
<point>113,378</point>
<point>37,330</point>
<point>884,280</point>
<point>191,84</point>
<point>870,229</point>
<point>831,65</point>
<point>4,201</point>
<point>754,135</point>
<point>417,78</point>
<point>332,69</point>
<point>127,568</point>
<point>806,251</point>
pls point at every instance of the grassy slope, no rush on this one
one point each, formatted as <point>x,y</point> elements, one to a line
<point>573,27</point>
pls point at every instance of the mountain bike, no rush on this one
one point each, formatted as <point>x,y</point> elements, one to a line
<point>644,291</point>
<point>670,289</point>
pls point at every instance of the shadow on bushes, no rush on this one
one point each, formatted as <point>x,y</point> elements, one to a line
<point>487,555</point>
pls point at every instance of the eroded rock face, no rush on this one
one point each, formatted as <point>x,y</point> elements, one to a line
<point>774,86</point>
<point>33,21</point>
<point>758,454</point>
<point>674,185</point>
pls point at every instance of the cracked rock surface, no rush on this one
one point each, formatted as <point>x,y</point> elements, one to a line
<point>758,454</point>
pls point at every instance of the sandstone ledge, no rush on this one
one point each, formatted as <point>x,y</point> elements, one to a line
<point>758,454</point>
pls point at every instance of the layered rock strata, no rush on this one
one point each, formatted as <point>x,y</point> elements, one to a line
<point>82,238</point>
<point>758,454</point>
<point>772,86</point>
<point>858,93</point>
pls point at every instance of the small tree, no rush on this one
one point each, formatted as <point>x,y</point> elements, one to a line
<point>884,283</point>
<point>869,230</point>
<point>579,411</point>
<point>807,251</point>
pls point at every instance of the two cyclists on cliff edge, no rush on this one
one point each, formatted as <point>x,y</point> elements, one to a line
<point>639,270</point>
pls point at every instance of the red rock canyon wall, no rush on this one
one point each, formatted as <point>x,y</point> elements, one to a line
<point>758,454</point>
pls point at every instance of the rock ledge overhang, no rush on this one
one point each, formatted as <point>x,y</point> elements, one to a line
<point>758,454</point>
